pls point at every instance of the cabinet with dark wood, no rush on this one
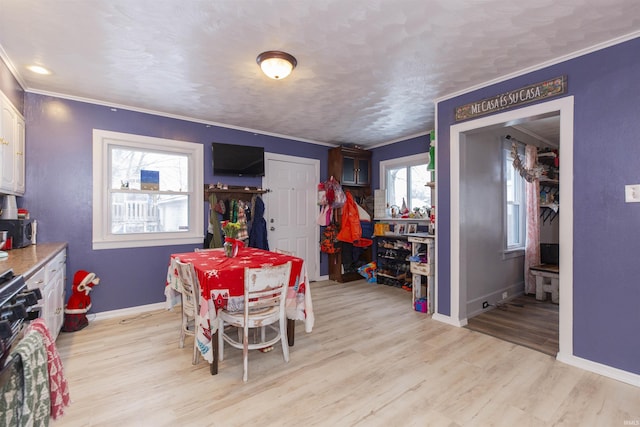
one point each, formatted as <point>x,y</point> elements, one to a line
<point>352,167</point>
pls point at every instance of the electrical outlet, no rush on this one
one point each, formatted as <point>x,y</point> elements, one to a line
<point>485,304</point>
<point>632,193</point>
<point>505,295</point>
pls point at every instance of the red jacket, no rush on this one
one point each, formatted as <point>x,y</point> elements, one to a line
<point>350,229</point>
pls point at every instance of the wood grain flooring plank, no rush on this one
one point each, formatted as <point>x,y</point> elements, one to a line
<point>523,321</point>
<point>370,361</point>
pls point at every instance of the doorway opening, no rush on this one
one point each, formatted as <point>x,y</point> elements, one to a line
<point>463,214</point>
<point>499,246</point>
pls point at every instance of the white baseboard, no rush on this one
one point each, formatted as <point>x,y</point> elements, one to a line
<point>127,311</point>
<point>449,320</point>
<point>598,368</point>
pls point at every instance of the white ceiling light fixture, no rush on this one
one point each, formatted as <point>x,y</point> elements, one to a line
<point>275,64</point>
<point>38,70</point>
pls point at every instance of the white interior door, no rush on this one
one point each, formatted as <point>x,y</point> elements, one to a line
<point>291,207</point>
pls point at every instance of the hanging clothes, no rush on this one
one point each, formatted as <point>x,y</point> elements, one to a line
<point>214,229</point>
<point>350,229</point>
<point>243,233</point>
<point>258,233</point>
<point>234,211</point>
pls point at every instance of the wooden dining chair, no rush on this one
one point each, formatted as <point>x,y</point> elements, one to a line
<point>190,305</point>
<point>265,291</point>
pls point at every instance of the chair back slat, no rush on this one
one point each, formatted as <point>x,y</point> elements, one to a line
<point>265,290</point>
<point>190,294</point>
<point>266,286</point>
<point>189,282</point>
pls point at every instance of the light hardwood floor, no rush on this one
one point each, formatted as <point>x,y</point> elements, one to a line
<point>370,361</point>
<point>523,320</point>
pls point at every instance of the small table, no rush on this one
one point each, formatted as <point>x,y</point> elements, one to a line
<point>547,280</point>
<point>222,286</point>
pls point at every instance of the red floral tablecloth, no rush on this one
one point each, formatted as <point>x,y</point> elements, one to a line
<point>222,286</point>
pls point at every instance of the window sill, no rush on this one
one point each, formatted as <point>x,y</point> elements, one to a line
<point>145,243</point>
<point>512,253</point>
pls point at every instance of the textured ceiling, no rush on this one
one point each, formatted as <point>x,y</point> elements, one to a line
<point>368,70</point>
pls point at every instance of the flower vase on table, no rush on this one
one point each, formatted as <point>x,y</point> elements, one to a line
<point>231,244</point>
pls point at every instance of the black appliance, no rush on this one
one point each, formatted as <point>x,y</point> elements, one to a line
<point>550,253</point>
<point>16,305</point>
<point>20,231</point>
<point>237,160</point>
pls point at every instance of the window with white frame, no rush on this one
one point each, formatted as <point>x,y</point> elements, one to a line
<point>406,178</point>
<point>514,207</point>
<point>146,191</point>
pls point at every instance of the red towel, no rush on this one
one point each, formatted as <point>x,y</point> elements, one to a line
<point>58,387</point>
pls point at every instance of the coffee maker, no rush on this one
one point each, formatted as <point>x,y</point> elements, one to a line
<point>9,207</point>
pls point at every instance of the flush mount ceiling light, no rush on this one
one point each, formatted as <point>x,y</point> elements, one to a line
<point>38,69</point>
<point>275,64</point>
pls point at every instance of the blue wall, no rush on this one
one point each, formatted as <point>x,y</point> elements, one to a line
<point>59,188</point>
<point>606,89</point>
<point>404,148</point>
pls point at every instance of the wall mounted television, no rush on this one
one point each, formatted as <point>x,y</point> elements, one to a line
<point>237,160</point>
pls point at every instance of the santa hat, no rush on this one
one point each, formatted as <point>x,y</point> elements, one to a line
<point>83,281</point>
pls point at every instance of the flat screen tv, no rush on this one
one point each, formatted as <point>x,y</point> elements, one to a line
<point>237,160</point>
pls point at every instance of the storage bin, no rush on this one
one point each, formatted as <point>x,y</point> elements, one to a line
<point>367,229</point>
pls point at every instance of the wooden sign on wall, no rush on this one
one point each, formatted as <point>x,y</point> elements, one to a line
<point>514,98</point>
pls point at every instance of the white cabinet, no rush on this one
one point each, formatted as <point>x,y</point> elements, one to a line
<point>12,137</point>
<point>54,292</point>
<point>51,280</point>
<point>19,158</point>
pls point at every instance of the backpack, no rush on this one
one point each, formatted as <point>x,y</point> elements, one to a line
<point>327,244</point>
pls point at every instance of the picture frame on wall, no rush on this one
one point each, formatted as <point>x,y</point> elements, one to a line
<point>412,227</point>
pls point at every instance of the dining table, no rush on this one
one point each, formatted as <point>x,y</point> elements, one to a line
<point>221,280</point>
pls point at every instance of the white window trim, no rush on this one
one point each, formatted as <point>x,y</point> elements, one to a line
<point>102,237</point>
<point>413,160</point>
<point>513,251</point>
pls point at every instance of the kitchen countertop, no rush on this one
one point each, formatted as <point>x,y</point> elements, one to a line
<point>26,261</point>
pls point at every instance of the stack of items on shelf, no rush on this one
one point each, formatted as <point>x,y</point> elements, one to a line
<point>422,268</point>
<point>393,268</point>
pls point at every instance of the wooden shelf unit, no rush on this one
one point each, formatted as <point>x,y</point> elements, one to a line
<point>233,191</point>
<point>352,168</point>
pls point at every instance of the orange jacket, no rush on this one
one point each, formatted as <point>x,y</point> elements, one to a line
<point>350,229</point>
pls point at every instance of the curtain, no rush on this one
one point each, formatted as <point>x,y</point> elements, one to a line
<point>532,247</point>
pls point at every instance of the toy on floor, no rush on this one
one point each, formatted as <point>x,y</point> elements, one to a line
<point>75,314</point>
<point>368,271</point>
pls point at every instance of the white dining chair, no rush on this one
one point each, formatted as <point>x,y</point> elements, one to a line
<point>190,305</point>
<point>265,291</point>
